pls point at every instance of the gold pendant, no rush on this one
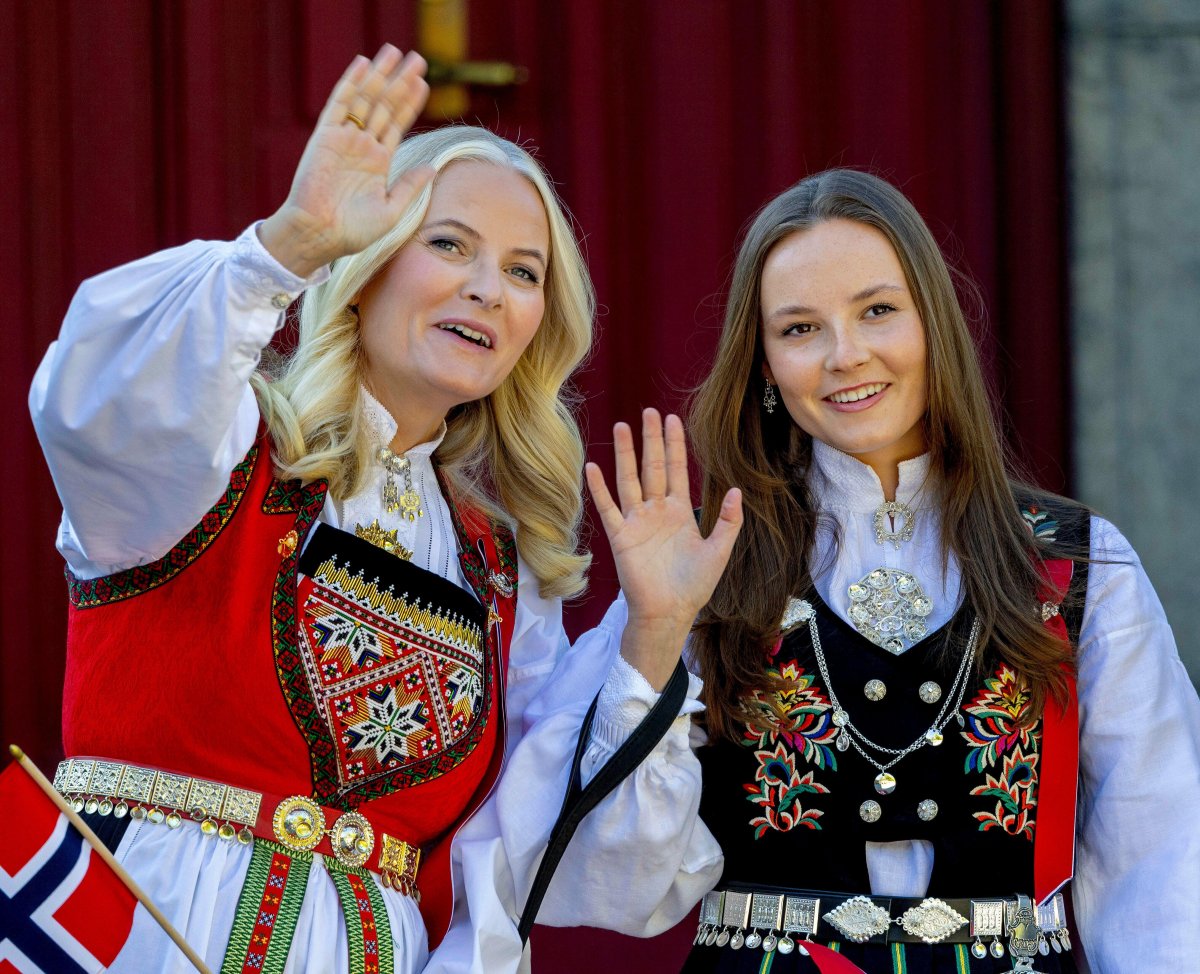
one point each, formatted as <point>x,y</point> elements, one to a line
<point>382,538</point>
<point>410,505</point>
<point>494,617</point>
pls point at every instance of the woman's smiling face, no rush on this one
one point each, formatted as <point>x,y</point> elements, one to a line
<point>446,320</point>
<point>844,342</point>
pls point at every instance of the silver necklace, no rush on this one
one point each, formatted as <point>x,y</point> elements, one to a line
<point>850,736</point>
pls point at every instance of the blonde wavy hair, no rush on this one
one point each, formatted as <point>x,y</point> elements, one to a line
<point>516,454</point>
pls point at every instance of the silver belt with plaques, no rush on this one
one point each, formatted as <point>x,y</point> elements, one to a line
<point>774,919</point>
<point>115,788</point>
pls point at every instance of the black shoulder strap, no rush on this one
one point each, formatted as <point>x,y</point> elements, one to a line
<point>1077,595</point>
<point>579,800</point>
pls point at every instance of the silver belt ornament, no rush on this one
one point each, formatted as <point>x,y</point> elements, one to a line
<point>773,918</point>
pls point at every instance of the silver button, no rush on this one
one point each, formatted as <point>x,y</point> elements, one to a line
<point>870,811</point>
<point>281,301</point>
<point>929,692</point>
<point>927,810</point>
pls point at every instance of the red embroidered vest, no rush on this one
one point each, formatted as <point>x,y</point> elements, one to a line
<point>221,660</point>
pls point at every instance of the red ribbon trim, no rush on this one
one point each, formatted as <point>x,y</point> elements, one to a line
<point>1054,834</point>
<point>828,961</point>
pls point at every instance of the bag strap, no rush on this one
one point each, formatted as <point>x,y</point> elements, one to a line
<point>579,800</point>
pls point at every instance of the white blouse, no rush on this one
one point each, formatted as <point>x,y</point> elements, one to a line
<point>145,397</point>
<point>1136,892</point>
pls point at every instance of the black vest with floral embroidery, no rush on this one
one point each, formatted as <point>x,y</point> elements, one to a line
<point>785,804</point>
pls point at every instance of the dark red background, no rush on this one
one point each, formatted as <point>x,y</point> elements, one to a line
<point>136,124</point>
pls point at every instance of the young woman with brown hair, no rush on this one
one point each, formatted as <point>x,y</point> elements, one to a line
<point>915,662</point>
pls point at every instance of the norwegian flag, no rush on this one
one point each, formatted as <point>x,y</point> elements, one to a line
<point>62,910</point>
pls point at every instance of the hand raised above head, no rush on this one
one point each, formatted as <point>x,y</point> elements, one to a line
<point>667,569</point>
<point>340,200</point>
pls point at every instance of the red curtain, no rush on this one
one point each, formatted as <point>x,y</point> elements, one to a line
<point>133,125</point>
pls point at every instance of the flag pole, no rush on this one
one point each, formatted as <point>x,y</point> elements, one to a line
<point>102,851</point>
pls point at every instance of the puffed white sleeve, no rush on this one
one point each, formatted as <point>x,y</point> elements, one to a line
<point>143,404</point>
<point>1137,870</point>
<point>638,862</point>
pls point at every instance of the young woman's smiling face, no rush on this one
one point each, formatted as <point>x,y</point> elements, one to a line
<point>446,320</point>
<point>844,343</point>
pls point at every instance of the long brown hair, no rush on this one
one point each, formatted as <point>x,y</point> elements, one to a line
<point>768,456</point>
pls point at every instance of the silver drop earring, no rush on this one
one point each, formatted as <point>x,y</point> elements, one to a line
<point>769,400</point>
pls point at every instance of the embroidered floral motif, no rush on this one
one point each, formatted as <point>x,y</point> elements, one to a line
<point>90,592</point>
<point>995,735</point>
<point>1039,522</point>
<point>796,713</point>
<point>1015,791</point>
<point>401,683</point>
<point>777,791</point>
<point>794,719</point>
<point>362,760</point>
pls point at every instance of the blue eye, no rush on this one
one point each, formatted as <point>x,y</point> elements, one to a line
<point>525,274</point>
<point>445,243</point>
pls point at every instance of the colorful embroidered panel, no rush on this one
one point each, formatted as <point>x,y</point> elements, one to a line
<point>1040,522</point>
<point>91,592</point>
<point>996,736</point>
<point>799,718</point>
<point>395,662</point>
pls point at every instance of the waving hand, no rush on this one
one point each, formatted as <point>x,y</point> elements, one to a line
<point>340,200</point>
<point>668,570</point>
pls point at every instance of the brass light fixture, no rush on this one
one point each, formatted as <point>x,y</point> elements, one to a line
<point>442,39</point>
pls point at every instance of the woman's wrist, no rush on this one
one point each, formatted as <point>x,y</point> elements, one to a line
<point>653,646</point>
<point>292,242</point>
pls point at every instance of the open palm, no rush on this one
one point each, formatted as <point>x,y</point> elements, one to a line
<point>667,568</point>
<point>340,200</point>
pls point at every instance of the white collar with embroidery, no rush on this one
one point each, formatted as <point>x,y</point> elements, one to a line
<point>839,482</point>
<point>383,427</point>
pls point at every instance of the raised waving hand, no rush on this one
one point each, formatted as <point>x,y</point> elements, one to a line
<point>340,200</point>
<point>668,570</point>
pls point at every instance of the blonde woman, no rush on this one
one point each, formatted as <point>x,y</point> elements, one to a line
<point>311,610</point>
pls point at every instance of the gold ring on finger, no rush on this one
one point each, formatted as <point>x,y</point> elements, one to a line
<point>351,117</point>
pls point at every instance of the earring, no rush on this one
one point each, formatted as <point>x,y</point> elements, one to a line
<point>769,399</point>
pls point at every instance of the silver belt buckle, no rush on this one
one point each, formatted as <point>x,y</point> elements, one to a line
<point>859,919</point>
<point>932,920</point>
<point>1024,934</point>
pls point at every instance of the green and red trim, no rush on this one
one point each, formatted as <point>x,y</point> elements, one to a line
<point>88,593</point>
<point>267,910</point>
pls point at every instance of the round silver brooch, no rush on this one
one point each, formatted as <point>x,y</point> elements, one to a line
<point>875,690</point>
<point>929,692</point>
<point>927,810</point>
<point>870,811</point>
<point>889,607</point>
